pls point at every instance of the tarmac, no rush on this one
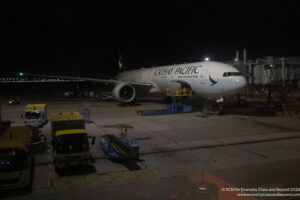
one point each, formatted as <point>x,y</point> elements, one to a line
<point>182,156</point>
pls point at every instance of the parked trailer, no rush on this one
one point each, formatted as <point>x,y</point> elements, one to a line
<point>15,158</point>
<point>119,149</point>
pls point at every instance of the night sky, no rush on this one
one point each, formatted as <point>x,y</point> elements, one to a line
<point>84,39</point>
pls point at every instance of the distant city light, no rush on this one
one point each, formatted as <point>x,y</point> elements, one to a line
<point>206,59</point>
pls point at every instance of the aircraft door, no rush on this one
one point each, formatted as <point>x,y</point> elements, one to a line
<point>204,76</point>
<point>146,76</point>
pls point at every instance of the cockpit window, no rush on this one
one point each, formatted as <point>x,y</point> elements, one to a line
<point>226,74</point>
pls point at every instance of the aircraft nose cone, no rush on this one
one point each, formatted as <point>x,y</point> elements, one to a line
<point>241,83</point>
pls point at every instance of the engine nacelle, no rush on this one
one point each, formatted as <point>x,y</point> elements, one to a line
<point>124,92</point>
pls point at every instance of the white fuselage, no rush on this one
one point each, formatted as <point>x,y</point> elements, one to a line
<point>206,79</point>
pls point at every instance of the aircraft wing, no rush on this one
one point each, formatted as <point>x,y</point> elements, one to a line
<point>112,81</point>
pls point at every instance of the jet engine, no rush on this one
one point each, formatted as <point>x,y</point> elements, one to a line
<point>124,92</point>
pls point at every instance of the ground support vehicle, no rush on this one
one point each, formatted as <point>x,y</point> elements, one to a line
<point>15,158</point>
<point>119,149</point>
<point>35,114</point>
<point>14,101</point>
<point>69,139</point>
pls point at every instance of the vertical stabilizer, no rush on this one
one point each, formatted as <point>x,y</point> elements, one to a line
<point>121,62</point>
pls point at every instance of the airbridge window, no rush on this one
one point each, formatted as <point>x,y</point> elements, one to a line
<point>226,74</point>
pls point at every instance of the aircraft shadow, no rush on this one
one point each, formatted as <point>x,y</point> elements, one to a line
<point>76,170</point>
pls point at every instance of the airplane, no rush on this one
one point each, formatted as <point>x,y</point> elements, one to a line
<point>208,80</point>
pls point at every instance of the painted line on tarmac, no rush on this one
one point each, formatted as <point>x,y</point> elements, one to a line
<point>100,128</point>
<point>254,153</point>
<point>221,144</point>
<point>102,179</point>
<point>181,147</point>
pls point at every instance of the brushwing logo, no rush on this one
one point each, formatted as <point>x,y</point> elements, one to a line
<point>213,82</point>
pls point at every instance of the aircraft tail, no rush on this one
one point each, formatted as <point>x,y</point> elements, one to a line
<point>121,65</point>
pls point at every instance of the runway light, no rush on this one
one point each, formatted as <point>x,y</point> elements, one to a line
<point>206,59</point>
